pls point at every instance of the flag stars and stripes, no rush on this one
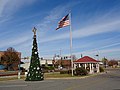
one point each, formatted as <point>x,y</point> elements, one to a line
<point>63,22</point>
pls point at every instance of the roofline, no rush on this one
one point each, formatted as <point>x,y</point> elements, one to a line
<point>85,62</point>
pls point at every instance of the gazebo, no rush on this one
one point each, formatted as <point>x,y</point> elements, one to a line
<point>90,64</point>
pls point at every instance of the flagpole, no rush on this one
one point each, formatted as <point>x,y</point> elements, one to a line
<point>71,43</point>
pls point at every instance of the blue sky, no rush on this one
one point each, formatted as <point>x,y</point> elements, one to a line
<point>95,27</point>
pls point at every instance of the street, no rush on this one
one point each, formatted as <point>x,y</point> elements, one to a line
<point>106,81</point>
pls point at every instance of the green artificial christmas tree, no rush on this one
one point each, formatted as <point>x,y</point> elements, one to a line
<point>35,71</point>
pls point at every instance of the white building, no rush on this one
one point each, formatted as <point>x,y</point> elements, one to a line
<point>42,62</point>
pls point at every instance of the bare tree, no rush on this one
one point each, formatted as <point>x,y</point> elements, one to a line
<point>11,59</point>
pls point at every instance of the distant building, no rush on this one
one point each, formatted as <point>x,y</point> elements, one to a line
<point>49,62</point>
<point>43,62</point>
<point>25,65</point>
<point>63,63</point>
<point>118,63</point>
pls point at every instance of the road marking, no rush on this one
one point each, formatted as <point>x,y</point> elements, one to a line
<point>14,86</point>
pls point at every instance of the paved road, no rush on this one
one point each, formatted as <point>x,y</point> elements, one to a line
<point>107,81</point>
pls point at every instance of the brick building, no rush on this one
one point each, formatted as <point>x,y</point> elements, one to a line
<point>64,63</point>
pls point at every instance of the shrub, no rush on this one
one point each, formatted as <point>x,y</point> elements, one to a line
<point>101,69</point>
<point>51,68</point>
<point>48,69</point>
<point>70,71</point>
<point>80,71</point>
<point>64,72</point>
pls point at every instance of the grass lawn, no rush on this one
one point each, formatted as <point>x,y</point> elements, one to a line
<point>11,78</point>
<point>46,76</point>
<point>56,75</point>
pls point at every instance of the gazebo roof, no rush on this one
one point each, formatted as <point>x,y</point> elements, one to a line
<point>86,59</point>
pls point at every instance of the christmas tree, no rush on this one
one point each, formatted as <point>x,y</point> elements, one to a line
<point>35,71</point>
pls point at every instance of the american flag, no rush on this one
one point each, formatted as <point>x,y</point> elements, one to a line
<point>63,22</point>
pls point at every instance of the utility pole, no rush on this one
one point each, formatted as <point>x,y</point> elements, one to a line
<point>61,57</point>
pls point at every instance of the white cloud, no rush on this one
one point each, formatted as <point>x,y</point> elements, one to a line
<point>9,7</point>
<point>90,30</point>
<point>101,25</point>
<point>109,53</point>
<point>52,16</point>
<point>2,6</point>
<point>110,50</point>
<point>98,28</point>
<point>98,24</point>
<point>14,40</point>
<point>114,44</point>
<point>55,14</point>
